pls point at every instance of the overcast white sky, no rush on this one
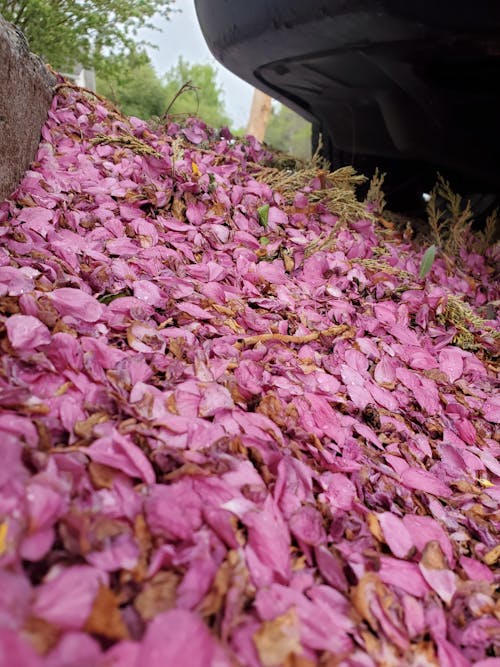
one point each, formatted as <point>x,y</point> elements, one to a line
<point>181,36</point>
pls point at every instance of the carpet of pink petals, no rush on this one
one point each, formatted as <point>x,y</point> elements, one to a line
<point>171,494</point>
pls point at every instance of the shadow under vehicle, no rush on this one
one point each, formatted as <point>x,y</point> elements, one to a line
<point>410,87</point>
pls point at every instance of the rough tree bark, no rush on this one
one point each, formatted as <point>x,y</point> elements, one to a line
<point>26,91</point>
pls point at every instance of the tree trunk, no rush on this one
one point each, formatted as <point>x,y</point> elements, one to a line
<point>26,91</point>
<point>260,113</point>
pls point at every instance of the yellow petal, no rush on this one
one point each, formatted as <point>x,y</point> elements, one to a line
<point>4,528</point>
<point>485,483</point>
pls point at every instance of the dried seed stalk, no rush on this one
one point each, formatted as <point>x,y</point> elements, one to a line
<point>127,141</point>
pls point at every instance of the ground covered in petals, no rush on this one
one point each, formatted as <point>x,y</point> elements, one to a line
<point>236,426</point>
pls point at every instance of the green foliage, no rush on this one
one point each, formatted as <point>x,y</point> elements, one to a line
<point>102,34</point>
<point>290,133</point>
<point>65,32</point>
<point>263,212</point>
<point>427,261</point>
<point>133,85</point>
<point>206,101</point>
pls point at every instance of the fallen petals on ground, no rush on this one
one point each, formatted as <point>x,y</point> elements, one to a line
<point>230,437</point>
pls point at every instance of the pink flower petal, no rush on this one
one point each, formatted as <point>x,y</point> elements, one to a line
<point>178,637</point>
<point>78,304</point>
<point>451,363</point>
<point>26,332</point>
<point>269,538</point>
<point>415,478</point>
<point>491,410</point>
<point>396,535</point>
<point>67,598</point>
<point>119,452</point>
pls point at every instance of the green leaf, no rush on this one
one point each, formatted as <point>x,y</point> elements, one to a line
<point>263,212</point>
<point>427,261</point>
<point>108,298</point>
<point>264,240</point>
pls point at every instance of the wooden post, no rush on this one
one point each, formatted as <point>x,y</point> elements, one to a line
<point>260,113</point>
<point>26,91</point>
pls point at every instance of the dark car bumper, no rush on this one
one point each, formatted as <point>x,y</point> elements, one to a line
<point>414,81</point>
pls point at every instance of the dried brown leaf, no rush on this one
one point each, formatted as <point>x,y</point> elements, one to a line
<point>144,540</point>
<point>213,601</point>
<point>158,594</point>
<point>178,208</point>
<point>185,469</point>
<point>380,650</point>
<point>171,404</point>
<point>101,475</point>
<point>294,660</point>
<point>374,527</point>
<point>176,347</point>
<point>492,556</point>
<point>425,654</point>
<point>105,528</point>
<point>105,618</point>
<point>85,428</point>
<point>44,436</point>
<point>9,305</point>
<point>433,557</point>
<point>436,374</point>
<point>288,262</point>
<point>277,640</point>
<point>41,634</point>
<point>361,595</point>
<point>270,406</point>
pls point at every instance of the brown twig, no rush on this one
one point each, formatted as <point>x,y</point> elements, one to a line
<point>188,86</point>
<point>335,330</point>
